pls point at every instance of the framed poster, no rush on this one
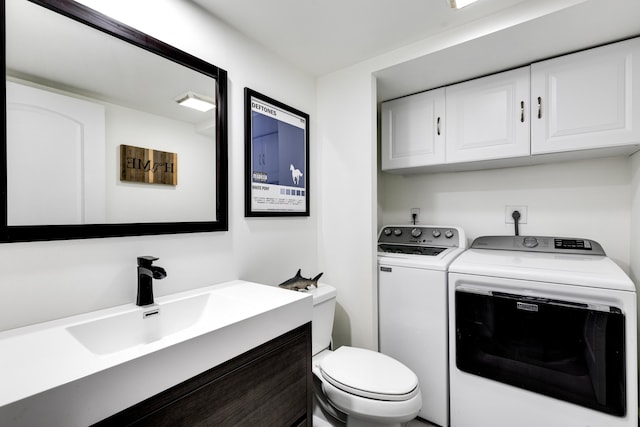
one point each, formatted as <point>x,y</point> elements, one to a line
<point>276,158</point>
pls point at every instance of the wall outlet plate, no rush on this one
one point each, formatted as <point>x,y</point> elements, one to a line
<point>508,211</point>
<point>416,212</point>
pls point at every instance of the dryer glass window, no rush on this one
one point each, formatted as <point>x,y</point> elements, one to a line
<point>569,351</point>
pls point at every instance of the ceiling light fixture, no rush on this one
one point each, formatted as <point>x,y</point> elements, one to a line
<point>197,102</point>
<point>459,4</point>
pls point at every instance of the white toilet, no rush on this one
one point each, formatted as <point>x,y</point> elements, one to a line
<point>355,386</point>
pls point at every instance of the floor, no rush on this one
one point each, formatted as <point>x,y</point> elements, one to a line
<point>419,423</point>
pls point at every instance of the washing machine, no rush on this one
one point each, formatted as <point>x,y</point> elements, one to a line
<point>542,333</point>
<point>412,306</point>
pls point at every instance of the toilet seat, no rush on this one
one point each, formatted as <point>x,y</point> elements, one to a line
<point>369,374</point>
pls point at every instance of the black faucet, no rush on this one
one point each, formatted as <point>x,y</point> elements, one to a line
<point>146,274</point>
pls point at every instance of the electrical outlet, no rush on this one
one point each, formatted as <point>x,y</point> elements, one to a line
<point>416,212</point>
<point>508,211</point>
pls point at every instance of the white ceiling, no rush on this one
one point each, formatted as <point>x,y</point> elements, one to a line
<point>320,36</point>
<point>580,26</point>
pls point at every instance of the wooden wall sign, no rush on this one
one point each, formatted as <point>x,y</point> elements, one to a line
<point>147,165</point>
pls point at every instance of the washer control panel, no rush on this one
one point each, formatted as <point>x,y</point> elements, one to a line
<point>539,244</point>
<point>414,235</point>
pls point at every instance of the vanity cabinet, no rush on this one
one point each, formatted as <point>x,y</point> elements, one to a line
<point>270,385</point>
<point>590,99</point>
<point>412,130</point>
<point>488,118</point>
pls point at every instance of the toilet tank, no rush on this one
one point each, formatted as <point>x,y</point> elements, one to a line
<point>324,305</point>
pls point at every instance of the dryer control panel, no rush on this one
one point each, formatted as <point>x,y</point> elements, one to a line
<point>539,244</point>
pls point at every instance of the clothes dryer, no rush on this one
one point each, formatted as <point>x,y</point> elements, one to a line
<point>542,333</point>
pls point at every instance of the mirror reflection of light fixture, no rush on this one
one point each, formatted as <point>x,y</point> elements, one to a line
<point>459,4</point>
<point>196,101</point>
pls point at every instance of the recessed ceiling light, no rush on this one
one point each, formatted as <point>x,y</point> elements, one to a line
<point>197,102</point>
<point>459,4</point>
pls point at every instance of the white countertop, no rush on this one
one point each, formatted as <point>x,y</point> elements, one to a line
<point>45,356</point>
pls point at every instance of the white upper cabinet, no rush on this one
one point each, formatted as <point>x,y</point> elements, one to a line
<point>583,105</point>
<point>488,118</point>
<point>412,131</point>
<point>589,99</point>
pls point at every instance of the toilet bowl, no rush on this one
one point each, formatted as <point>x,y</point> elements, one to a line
<point>354,386</point>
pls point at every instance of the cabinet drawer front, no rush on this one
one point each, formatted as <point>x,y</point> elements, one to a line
<point>270,385</point>
<point>590,99</point>
<point>488,118</point>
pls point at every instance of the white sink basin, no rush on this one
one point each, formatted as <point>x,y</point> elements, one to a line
<point>118,357</point>
<point>139,326</point>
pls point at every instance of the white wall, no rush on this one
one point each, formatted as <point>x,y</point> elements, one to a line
<point>46,280</point>
<point>589,199</point>
<point>346,110</point>
<point>190,200</point>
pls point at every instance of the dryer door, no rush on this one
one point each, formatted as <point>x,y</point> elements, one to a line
<point>563,349</point>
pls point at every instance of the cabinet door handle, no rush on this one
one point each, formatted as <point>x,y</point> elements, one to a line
<point>539,107</point>
<point>438,126</point>
<point>521,111</point>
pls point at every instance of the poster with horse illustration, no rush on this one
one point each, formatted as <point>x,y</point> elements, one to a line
<point>276,158</point>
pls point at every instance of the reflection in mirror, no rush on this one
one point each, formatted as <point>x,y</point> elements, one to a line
<point>93,116</point>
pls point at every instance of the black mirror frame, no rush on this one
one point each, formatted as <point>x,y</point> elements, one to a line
<point>103,23</point>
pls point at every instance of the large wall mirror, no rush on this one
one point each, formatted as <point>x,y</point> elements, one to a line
<point>88,98</point>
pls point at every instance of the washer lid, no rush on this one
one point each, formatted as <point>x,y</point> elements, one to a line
<point>369,374</point>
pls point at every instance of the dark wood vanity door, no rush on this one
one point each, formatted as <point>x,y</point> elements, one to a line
<point>270,385</point>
